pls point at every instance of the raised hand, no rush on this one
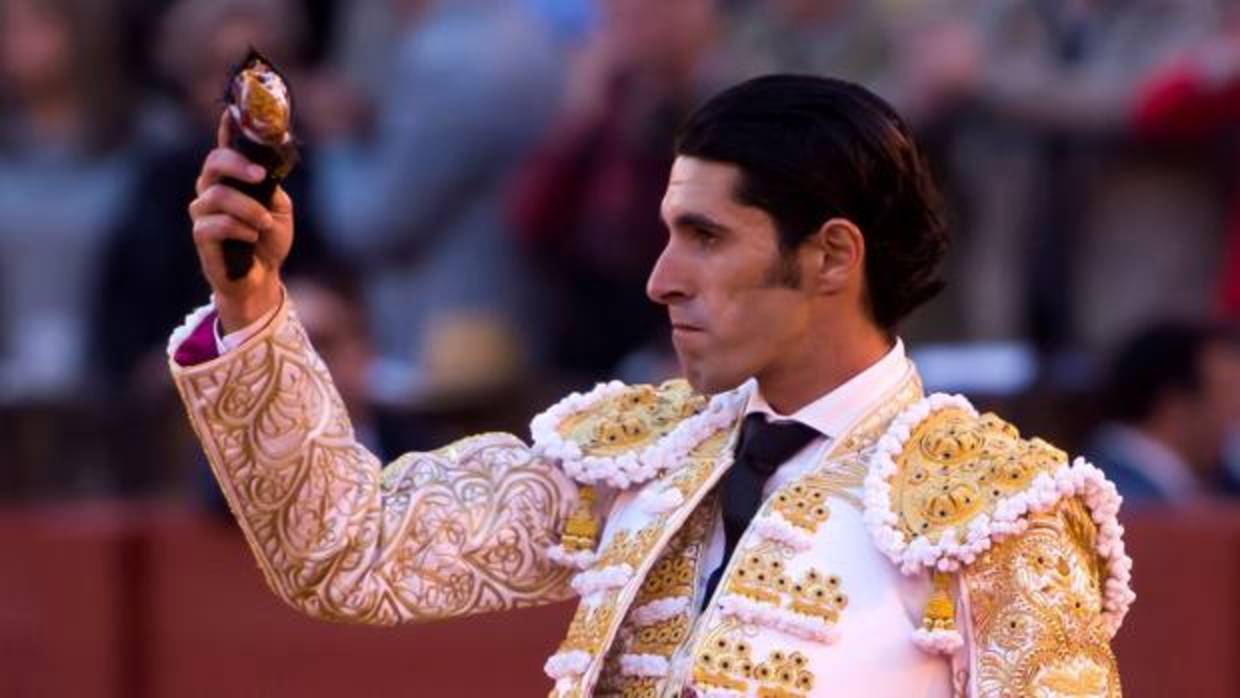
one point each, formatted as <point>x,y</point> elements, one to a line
<point>221,213</point>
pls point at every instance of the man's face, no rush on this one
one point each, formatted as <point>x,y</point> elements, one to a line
<point>735,305</point>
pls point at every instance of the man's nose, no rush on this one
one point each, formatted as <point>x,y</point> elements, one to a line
<point>668,282</point>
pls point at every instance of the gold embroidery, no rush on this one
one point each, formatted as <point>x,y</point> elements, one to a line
<point>784,675</point>
<point>629,548</point>
<point>803,504</point>
<point>676,571</point>
<point>724,664</point>
<point>816,595</point>
<point>661,638</point>
<point>674,575</point>
<point>760,576</point>
<point>940,613</point>
<point>588,629</point>
<point>449,533</point>
<point>841,474</point>
<point>582,528</point>
<point>1036,602</point>
<point>641,687</point>
<point>727,664</point>
<point>956,467</point>
<point>671,576</point>
<point>637,417</point>
<point>690,478</point>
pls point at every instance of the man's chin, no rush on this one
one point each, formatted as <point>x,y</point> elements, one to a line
<point>707,382</point>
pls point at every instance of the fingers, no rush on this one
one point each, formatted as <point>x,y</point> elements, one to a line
<point>225,162</point>
<point>218,227</point>
<point>219,199</point>
<point>222,133</point>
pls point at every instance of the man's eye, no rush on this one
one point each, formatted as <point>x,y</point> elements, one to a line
<point>704,236</point>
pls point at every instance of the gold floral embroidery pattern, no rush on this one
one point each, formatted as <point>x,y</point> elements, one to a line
<point>1036,600</point>
<point>675,573</point>
<point>956,467</point>
<point>804,505</point>
<point>636,550</point>
<point>690,478</point>
<point>588,629</point>
<point>761,577</point>
<point>726,664</point>
<point>843,471</point>
<point>661,638</point>
<point>674,576</point>
<point>628,547</point>
<point>638,416</point>
<point>449,533</point>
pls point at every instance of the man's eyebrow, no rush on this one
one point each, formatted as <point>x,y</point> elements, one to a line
<point>701,221</point>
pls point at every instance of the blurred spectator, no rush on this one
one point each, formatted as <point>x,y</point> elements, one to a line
<point>1197,97</point>
<point>1065,217</point>
<point>1171,399</point>
<point>413,199</point>
<point>66,126</point>
<point>845,39</point>
<point>587,203</point>
<point>151,278</point>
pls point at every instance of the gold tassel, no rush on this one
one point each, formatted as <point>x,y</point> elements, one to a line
<point>582,528</point>
<point>940,613</point>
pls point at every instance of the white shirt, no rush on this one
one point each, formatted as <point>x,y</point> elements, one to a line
<point>829,415</point>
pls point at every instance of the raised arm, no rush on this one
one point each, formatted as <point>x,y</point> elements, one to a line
<point>457,531</point>
<point>461,530</point>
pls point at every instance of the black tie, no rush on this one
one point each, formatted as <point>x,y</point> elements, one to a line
<point>762,447</point>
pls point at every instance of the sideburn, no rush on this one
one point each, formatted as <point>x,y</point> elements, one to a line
<point>783,272</point>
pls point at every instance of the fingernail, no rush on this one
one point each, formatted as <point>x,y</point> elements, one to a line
<point>254,171</point>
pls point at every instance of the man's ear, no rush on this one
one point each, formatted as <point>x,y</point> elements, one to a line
<point>834,257</point>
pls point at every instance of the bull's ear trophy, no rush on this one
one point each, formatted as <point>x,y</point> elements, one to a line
<point>260,108</point>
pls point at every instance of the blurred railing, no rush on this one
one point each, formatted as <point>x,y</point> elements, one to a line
<point>147,601</point>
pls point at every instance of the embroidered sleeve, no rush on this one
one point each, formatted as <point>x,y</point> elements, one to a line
<point>457,531</point>
<point>1036,604</point>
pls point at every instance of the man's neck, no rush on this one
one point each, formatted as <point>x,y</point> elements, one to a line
<point>791,386</point>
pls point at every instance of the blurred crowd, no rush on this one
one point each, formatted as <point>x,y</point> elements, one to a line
<point>477,208</point>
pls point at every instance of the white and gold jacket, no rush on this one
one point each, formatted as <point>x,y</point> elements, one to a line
<point>931,552</point>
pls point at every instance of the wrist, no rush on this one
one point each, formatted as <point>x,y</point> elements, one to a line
<point>238,311</point>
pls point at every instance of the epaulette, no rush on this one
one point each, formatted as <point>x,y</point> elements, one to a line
<point>945,484</point>
<point>617,434</point>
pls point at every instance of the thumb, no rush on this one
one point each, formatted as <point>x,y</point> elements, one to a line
<point>281,203</point>
<point>223,132</point>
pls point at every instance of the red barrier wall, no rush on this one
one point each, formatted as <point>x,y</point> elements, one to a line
<point>116,601</point>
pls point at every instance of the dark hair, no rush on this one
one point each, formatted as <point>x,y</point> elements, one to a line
<point>1160,360</point>
<point>811,149</point>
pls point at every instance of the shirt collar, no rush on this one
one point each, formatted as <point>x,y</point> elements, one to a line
<point>836,410</point>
